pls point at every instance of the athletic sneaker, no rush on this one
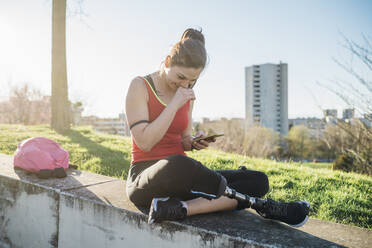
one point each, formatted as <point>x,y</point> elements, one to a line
<point>293,213</point>
<point>166,209</point>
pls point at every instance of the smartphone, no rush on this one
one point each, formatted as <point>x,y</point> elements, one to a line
<point>208,138</point>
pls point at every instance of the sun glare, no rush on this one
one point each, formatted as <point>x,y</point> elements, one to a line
<point>7,41</point>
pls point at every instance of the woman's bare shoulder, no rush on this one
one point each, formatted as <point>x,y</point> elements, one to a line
<point>137,92</point>
<point>137,82</point>
<point>137,86</point>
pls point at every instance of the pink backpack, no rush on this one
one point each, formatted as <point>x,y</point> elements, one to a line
<point>42,156</point>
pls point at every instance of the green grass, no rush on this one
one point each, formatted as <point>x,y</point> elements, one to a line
<point>316,165</point>
<point>334,195</point>
<point>99,153</point>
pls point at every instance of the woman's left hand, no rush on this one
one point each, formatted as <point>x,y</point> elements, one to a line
<point>187,142</point>
<point>200,144</point>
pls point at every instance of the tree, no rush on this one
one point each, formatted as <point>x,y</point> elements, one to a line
<point>299,141</point>
<point>261,142</point>
<point>322,148</point>
<point>356,145</point>
<point>352,145</point>
<point>60,106</point>
<point>233,134</point>
<point>25,106</point>
<point>357,93</point>
<point>20,102</point>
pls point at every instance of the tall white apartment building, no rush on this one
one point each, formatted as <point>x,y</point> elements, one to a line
<point>266,96</point>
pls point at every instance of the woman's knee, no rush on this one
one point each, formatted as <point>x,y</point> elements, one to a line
<point>253,183</point>
<point>139,197</point>
<point>263,184</point>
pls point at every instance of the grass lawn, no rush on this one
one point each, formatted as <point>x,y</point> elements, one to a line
<point>315,165</point>
<point>334,195</point>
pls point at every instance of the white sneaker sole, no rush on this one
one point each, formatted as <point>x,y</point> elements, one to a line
<point>307,217</point>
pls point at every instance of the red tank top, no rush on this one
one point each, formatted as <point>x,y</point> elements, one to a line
<point>171,142</point>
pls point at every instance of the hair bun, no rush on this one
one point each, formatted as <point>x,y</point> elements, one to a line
<point>191,33</point>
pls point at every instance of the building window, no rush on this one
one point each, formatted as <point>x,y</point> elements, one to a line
<point>256,76</point>
<point>256,105</point>
<point>257,96</point>
<point>257,91</point>
<point>256,81</point>
<point>256,86</point>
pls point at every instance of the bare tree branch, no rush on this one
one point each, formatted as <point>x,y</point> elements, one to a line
<point>363,52</point>
<point>354,140</point>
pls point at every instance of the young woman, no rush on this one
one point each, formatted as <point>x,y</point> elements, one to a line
<point>159,112</point>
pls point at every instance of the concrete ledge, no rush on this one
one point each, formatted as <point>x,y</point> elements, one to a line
<point>90,210</point>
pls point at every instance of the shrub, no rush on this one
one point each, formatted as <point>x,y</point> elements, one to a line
<point>352,162</point>
<point>343,162</point>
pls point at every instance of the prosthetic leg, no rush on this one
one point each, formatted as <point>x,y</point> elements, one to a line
<point>253,202</point>
<point>171,208</point>
<point>293,213</point>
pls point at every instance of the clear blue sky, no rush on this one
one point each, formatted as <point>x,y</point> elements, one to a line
<point>119,40</point>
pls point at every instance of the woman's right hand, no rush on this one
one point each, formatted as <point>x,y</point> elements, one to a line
<point>182,96</point>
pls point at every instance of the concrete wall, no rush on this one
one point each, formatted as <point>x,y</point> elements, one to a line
<point>29,215</point>
<point>82,210</point>
<point>89,210</point>
<point>35,216</point>
<point>90,224</point>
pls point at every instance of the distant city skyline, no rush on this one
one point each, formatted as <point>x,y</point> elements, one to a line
<point>118,40</point>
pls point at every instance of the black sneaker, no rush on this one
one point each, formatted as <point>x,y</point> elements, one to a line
<point>166,209</point>
<point>293,213</point>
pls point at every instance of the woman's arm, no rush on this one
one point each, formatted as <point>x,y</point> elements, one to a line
<point>146,135</point>
<point>187,134</point>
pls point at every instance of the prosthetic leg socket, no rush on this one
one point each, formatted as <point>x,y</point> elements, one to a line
<point>254,202</point>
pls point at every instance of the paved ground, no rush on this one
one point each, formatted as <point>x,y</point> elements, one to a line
<point>244,224</point>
